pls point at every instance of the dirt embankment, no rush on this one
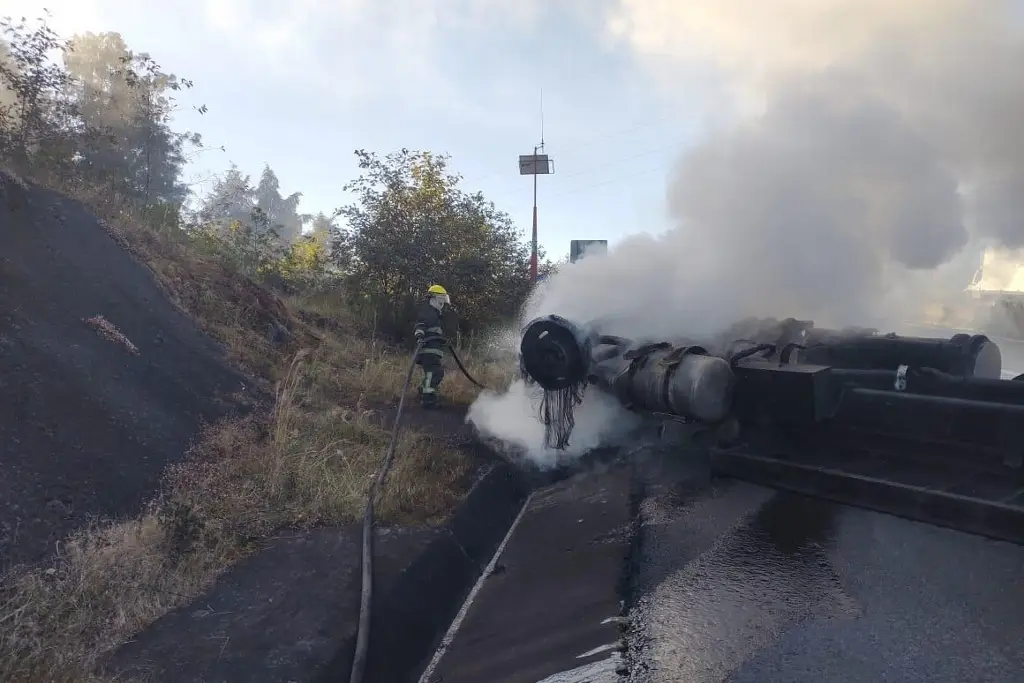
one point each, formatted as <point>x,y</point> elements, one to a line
<point>103,381</point>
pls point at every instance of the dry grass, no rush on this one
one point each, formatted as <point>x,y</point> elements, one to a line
<point>307,461</point>
<point>308,465</point>
<point>106,584</point>
<point>375,372</point>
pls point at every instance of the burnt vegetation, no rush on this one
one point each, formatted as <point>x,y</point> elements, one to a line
<point>314,308</point>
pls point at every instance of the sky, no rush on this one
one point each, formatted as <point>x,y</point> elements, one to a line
<point>302,84</point>
<point>880,135</point>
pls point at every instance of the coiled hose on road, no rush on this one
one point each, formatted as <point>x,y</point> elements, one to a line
<point>366,593</point>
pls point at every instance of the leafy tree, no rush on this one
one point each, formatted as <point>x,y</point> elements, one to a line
<point>38,120</point>
<point>241,223</point>
<point>322,231</point>
<point>305,264</point>
<point>246,245</point>
<point>129,97</point>
<point>412,226</point>
<point>7,96</point>
<point>282,212</point>
<point>322,227</point>
<point>101,119</point>
<point>546,267</point>
<point>232,199</point>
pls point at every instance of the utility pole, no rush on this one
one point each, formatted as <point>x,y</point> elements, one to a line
<point>536,164</point>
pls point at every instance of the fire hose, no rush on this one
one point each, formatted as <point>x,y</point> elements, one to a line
<point>359,658</point>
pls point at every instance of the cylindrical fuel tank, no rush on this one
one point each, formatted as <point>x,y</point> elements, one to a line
<point>963,355</point>
<point>692,385</point>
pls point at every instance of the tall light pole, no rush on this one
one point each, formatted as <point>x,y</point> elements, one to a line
<point>535,164</point>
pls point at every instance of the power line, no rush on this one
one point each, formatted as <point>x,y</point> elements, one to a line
<point>603,183</point>
<point>615,162</point>
<point>639,124</point>
<point>675,150</point>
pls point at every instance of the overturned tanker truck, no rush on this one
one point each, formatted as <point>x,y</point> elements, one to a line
<point>917,427</point>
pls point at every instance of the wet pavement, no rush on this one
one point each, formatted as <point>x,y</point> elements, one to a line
<point>739,583</point>
<point>729,582</point>
<point>550,609</point>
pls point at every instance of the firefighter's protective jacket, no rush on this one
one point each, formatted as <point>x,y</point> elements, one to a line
<point>429,320</point>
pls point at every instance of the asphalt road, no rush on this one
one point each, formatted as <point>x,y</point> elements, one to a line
<point>742,584</point>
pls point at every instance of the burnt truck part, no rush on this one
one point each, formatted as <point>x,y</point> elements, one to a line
<point>918,427</point>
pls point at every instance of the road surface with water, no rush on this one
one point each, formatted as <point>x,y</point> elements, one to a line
<point>742,584</point>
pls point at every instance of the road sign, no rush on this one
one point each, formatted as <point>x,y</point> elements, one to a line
<point>578,247</point>
<point>535,164</point>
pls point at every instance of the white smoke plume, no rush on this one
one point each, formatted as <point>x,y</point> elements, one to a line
<point>874,149</point>
<point>511,420</point>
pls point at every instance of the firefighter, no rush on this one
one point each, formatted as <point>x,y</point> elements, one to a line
<point>429,331</point>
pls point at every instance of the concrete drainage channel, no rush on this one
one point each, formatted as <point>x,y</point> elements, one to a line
<point>410,615</point>
<point>527,550</point>
<point>550,606</point>
<point>526,583</point>
<point>528,586</point>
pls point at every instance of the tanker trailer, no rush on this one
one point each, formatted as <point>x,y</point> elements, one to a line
<point>914,426</point>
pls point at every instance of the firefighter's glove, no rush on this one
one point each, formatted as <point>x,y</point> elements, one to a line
<point>419,335</point>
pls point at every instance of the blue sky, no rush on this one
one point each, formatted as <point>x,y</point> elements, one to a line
<point>301,84</point>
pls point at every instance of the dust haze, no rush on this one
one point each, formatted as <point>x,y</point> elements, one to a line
<point>873,150</point>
